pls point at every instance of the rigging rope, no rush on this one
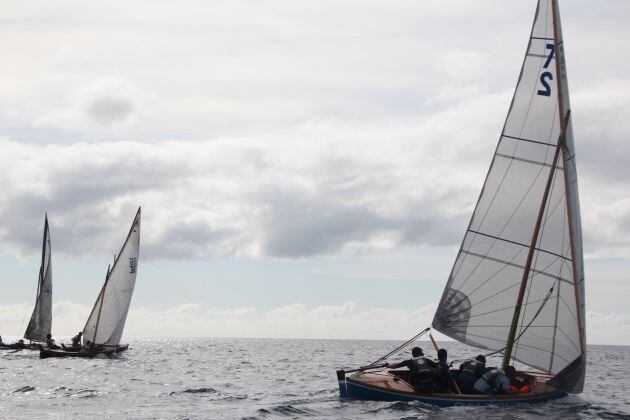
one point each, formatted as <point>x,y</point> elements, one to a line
<point>405,344</point>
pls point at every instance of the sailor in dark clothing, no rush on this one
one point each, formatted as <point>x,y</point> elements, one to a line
<point>443,378</point>
<point>87,347</point>
<point>421,377</point>
<point>76,340</point>
<point>50,343</point>
<point>494,381</point>
<point>469,372</point>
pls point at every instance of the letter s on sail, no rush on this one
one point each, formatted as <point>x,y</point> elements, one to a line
<point>543,80</point>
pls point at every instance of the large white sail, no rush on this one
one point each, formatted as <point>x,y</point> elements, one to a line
<point>107,320</point>
<point>479,300</point>
<point>41,319</point>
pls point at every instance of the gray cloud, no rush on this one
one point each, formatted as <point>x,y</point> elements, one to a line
<point>108,110</point>
<point>324,137</point>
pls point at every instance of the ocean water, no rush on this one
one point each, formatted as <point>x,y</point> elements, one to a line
<point>200,378</point>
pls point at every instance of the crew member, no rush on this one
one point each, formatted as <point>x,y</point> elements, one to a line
<point>494,381</point>
<point>50,343</point>
<point>76,340</point>
<point>421,368</point>
<point>443,377</point>
<point>469,372</point>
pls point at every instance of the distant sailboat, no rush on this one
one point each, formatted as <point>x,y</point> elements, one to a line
<point>105,325</point>
<point>40,323</point>
<point>517,285</point>
<point>41,320</point>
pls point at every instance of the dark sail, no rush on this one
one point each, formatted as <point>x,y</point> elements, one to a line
<point>41,319</point>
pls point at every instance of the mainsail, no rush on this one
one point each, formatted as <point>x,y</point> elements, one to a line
<point>107,320</point>
<point>41,319</point>
<point>526,230</point>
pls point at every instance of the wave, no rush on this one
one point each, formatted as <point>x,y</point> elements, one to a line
<point>26,388</point>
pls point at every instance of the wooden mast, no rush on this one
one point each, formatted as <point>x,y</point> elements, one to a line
<point>565,165</point>
<point>530,256</point>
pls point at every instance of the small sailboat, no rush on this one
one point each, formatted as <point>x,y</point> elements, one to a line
<point>517,285</point>
<point>40,323</point>
<point>105,325</point>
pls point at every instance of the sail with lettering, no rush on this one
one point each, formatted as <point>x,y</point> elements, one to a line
<point>517,284</point>
<point>40,323</point>
<point>106,322</point>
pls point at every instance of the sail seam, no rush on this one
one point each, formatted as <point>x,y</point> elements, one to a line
<point>530,141</point>
<point>503,309</point>
<point>513,264</point>
<point>533,162</point>
<point>520,244</point>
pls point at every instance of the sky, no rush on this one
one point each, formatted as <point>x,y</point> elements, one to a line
<point>305,169</point>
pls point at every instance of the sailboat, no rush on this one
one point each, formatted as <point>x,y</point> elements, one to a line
<point>517,285</point>
<point>105,325</point>
<point>40,323</point>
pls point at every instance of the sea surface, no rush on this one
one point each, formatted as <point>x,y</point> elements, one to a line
<point>199,378</point>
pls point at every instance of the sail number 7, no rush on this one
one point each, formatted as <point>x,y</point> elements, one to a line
<point>545,77</point>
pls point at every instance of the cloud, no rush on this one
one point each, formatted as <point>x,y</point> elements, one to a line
<point>608,328</point>
<point>110,109</point>
<point>345,321</point>
<point>93,107</point>
<point>296,136</point>
<point>321,187</point>
<point>316,189</point>
<point>195,320</point>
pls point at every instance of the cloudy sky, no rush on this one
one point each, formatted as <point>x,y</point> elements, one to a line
<point>305,169</point>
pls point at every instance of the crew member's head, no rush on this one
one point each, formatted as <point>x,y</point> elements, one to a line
<point>442,355</point>
<point>481,358</point>
<point>416,352</point>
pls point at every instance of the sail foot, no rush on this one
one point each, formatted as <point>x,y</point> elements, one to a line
<point>571,378</point>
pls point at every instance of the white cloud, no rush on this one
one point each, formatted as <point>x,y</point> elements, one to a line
<point>97,106</point>
<point>299,136</point>
<point>464,65</point>
<point>608,328</point>
<point>347,321</point>
<point>314,189</point>
<point>318,188</point>
<point>195,320</point>
<point>286,129</point>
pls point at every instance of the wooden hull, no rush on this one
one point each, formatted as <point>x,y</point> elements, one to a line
<point>45,353</point>
<point>387,386</point>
